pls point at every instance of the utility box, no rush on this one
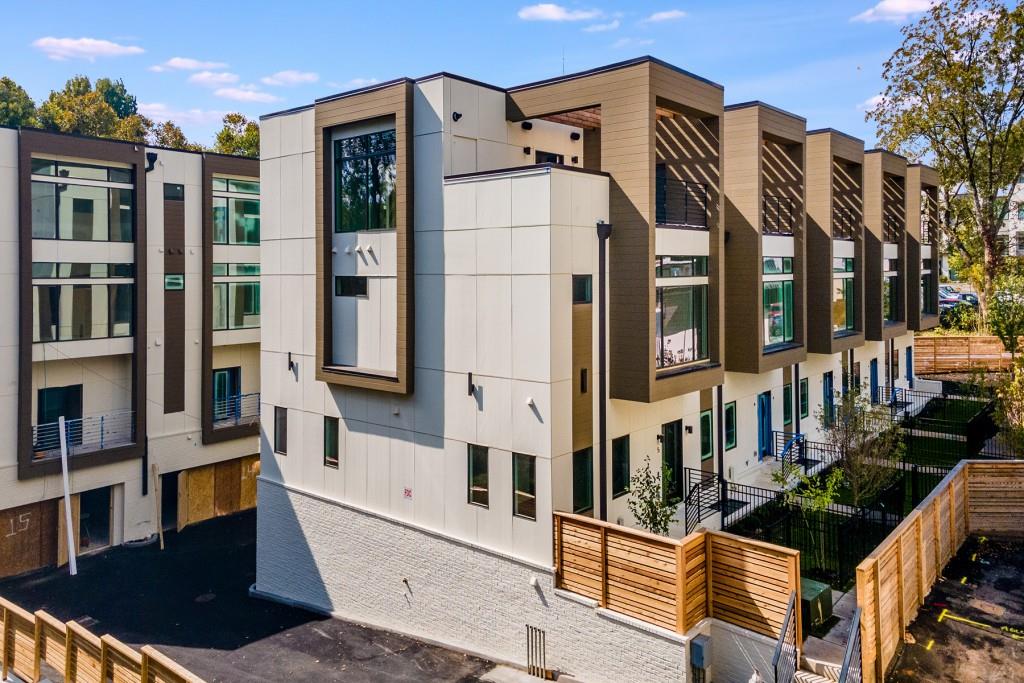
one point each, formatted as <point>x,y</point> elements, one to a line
<point>700,659</point>
<point>815,602</point>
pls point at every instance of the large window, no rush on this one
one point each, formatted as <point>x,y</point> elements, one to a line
<point>479,484</point>
<point>236,305</point>
<point>778,312</point>
<point>620,466</point>
<point>890,298</point>
<point>843,315</point>
<point>730,425</point>
<point>583,481</point>
<point>681,321</point>
<point>524,486</point>
<point>365,179</point>
<point>236,211</point>
<point>102,210</point>
<point>331,442</point>
<point>82,311</point>
<point>51,270</point>
<point>672,460</point>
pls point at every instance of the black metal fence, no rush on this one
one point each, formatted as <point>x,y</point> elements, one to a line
<point>680,203</point>
<point>786,656</point>
<point>851,671</point>
<point>778,215</point>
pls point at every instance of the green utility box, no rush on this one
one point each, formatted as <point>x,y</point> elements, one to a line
<point>815,603</point>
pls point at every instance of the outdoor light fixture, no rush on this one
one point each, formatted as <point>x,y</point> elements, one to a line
<point>574,136</point>
<point>150,161</point>
<point>526,150</point>
<point>527,125</point>
<point>689,429</point>
<point>472,387</point>
<point>291,363</point>
<point>456,116</point>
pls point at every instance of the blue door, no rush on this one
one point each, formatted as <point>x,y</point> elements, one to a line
<point>874,380</point>
<point>828,397</point>
<point>764,425</point>
<point>910,367</point>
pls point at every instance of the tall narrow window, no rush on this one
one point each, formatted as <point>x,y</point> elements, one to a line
<point>280,430</point>
<point>787,404</point>
<point>672,460</point>
<point>582,286</point>
<point>620,466</point>
<point>365,180</point>
<point>707,439</point>
<point>730,425</point>
<point>331,442</point>
<point>479,485</point>
<point>805,399</point>
<point>524,486</point>
<point>681,325</point>
<point>583,481</point>
<point>778,312</point>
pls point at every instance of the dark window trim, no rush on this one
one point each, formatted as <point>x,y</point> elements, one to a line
<point>470,472</point>
<point>730,444</point>
<point>280,435</point>
<point>110,318</point>
<point>805,398</point>
<point>710,434</point>
<point>332,461</point>
<point>362,280</point>
<point>533,461</point>
<point>619,492</point>
<point>110,215</point>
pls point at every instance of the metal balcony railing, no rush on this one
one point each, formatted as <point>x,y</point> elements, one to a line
<point>928,228</point>
<point>845,223</point>
<point>84,435</point>
<point>240,409</point>
<point>778,215</point>
<point>681,203</point>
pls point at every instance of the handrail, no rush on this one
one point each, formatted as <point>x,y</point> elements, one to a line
<point>681,203</point>
<point>852,664</point>
<point>785,675</point>
<point>236,409</point>
<point>784,224</point>
<point>85,435</point>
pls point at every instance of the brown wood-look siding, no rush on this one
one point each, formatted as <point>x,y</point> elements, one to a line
<point>764,152</point>
<point>834,182</point>
<point>233,166</point>
<point>582,360</point>
<point>628,98</point>
<point>884,186</point>
<point>394,101</point>
<point>174,307</point>
<point>38,142</point>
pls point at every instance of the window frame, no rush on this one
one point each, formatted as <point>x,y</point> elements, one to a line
<point>586,457</point>
<point>730,442</point>
<point>280,430</point>
<point>787,404</point>
<point>531,461</point>
<point>620,450</point>
<point>586,296</point>
<point>364,288</point>
<point>805,397</point>
<point>471,473</point>
<point>332,462</point>
<point>707,435</point>
<point>337,159</point>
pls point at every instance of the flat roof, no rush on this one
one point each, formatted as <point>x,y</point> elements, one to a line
<point>819,131</point>
<point>118,141</point>
<point>759,103</point>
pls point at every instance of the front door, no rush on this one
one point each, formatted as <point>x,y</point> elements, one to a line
<point>874,380</point>
<point>764,425</point>
<point>226,388</point>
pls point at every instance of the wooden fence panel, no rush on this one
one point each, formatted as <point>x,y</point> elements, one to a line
<point>695,579</point>
<point>995,495</point>
<point>959,354</point>
<point>866,592</point>
<point>641,577</point>
<point>581,560</point>
<point>51,642</point>
<point>159,668</point>
<point>19,641</point>
<point>121,664</point>
<point>85,656</point>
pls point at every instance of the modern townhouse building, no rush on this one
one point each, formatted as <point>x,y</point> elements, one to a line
<point>485,305</point>
<point>132,311</point>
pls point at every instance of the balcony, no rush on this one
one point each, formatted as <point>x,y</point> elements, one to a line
<point>845,223</point>
<point>681,203</point>
<point>240,409</point>
<point>778,215</point>
<point>892,229</point>
<point>929,227</point>
<point>84,435</point>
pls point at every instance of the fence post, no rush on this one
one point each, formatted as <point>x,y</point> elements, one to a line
<point>558,551</point>
<point>680,588</point>
<point>604,566</point>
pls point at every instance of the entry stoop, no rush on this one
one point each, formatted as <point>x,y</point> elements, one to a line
<point>821,659</point>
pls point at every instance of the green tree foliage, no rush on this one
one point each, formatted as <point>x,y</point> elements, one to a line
<point>238,136</point>
<point>16,107</point>
<point>647,501</point>
<point>83,110</point>
<point>1006,310</point>
<point>1009,413</point>
<point>960,317</point>
<point>955,96</point>
<point>117,96</point>
<point>168,134</point>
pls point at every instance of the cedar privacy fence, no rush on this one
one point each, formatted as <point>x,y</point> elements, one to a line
<point>35,646</point>
<point>959,354</point>
<point>976,497</point>
<point>674,583</point>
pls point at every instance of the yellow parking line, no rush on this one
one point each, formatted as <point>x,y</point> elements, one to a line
<point>929,645</point>
<point>963,580</point>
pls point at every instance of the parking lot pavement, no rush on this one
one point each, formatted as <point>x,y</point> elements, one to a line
<point>971,626</point>
<point>191,602</point>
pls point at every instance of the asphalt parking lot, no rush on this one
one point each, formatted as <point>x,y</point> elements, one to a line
<point>971,627</point>
<point>191,602</point>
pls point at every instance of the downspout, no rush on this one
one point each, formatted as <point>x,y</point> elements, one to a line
<point>604,231</point>
<point>723,486</point>
<point>795,397</point>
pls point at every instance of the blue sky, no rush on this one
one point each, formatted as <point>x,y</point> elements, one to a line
<point>194,61</point>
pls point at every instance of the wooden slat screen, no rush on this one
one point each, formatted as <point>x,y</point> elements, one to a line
<point>85,656</point>
<point>675,583</point>
<point>121,664</point>
<point>959,354</point>
<point>995,497</point>
<point>20,641</point>
<point>161,669</point>
<point>51,641</point>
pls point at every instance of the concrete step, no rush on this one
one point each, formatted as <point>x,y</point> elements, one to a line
<point>808,677</point>
<point>822,657</point>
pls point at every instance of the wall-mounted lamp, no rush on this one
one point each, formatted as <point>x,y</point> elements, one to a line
<point>291,363</point>
<point>689,429</point>
<point>530,402</point>
<point>574,136</point>
<point>527,125</point>
<point>472,387</point>
<point>456,115</point>
<point>527,150</point>
<point>150,161</point>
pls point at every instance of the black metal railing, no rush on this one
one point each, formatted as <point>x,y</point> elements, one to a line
<point>845,223</point>
<point>703,496</point>
<point>681,203</point>
<point>851,671</point>
<point>787,654</point>
<point>892,228</point>
<point>778,215</point>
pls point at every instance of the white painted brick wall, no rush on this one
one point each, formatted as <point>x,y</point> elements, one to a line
<point>352,563</point>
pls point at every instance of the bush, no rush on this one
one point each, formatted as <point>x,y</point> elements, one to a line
<point>961,317</point>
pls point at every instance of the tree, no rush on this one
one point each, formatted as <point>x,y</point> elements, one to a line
<point>79,109</point>
<point>238,136</point>
<point>1006,311</point>
<point>1009,412</point>
<point>869,450</point>
<point>16,107</point>
<point>955,96</point>
<point>168,134</point>
<point>117,96</point>
<point>647,500</point>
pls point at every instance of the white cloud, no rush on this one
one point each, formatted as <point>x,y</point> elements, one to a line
<point>548,11</point>
<point>83,48</point>
<point>610,26</point>
<point>667,15</point>
<point>870,103</point>
<point>631,42</point>
<point>290,77</point>
<point>894,10</point>
<point>354,83</point>
<point>186,64</point>
<point>213,79</point>
<point>162,112</point>
<point>246,93</point>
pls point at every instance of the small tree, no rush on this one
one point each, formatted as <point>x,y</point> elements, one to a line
<point>869,450</point>
<point>647,500</point>
<point>1006,311</point>
<point>1009,413</point>
<point>16,107</point>
<point>238,136</point>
